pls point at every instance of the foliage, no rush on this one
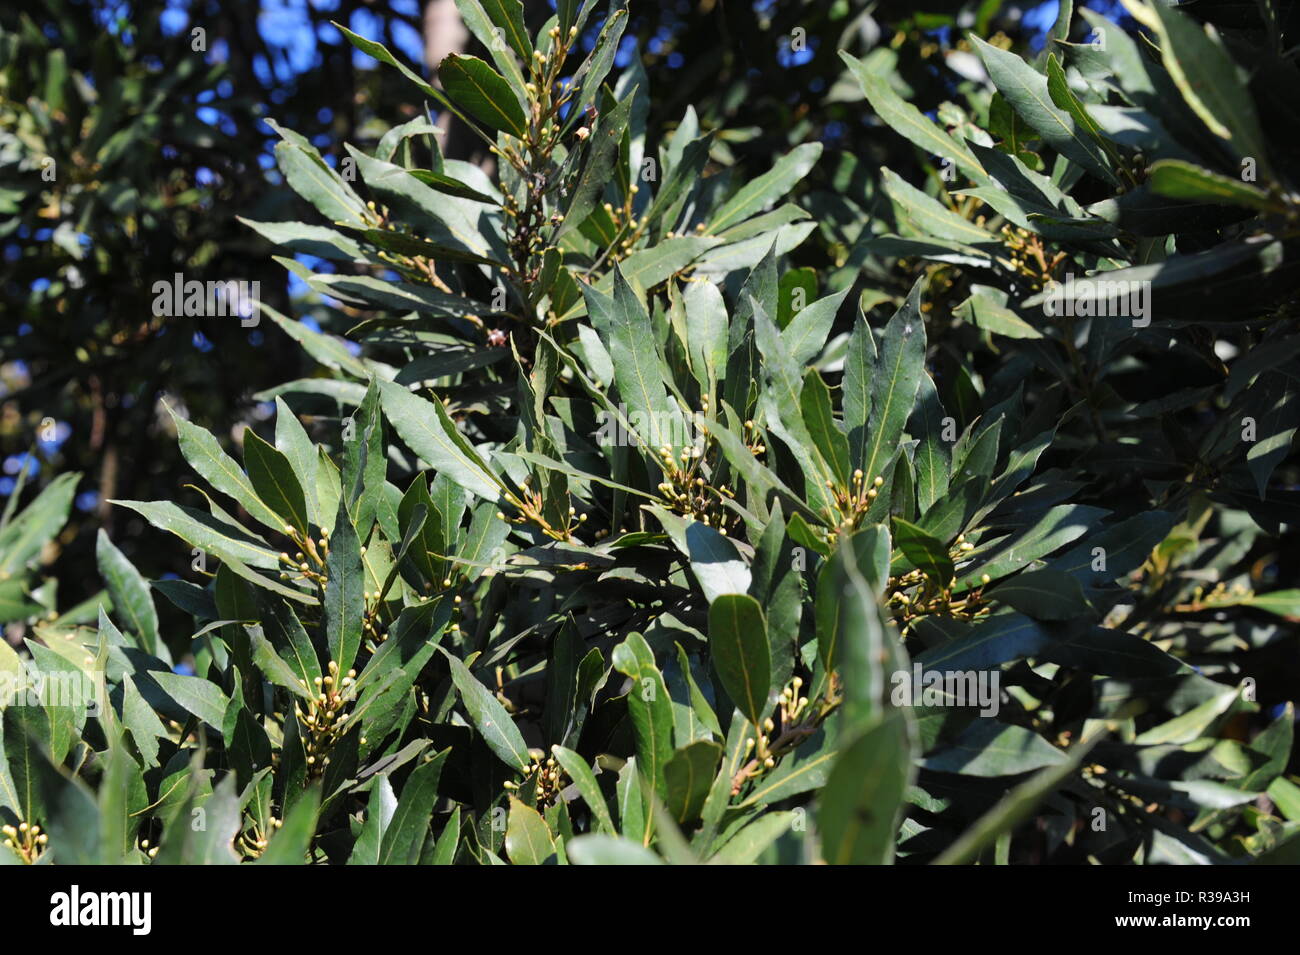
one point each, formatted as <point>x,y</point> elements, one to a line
<point>620,538</point>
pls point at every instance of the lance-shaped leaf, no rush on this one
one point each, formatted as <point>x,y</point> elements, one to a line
<point>1210,81</point>
<point>633,349</point>
<point>1183,180</point>
<point>763,190</point>
<point>24,730</point>
<point>1026,90</point>
<point>275,482</point>
<point>741,654</point>
<point>224,541</point>
<point>597,166</point>
<point>924,552</point>
<point>205,455</point>
<point>499,26</point>
<point>490,717</point>
<point>989,748</point>
<point>380,53</point>
<point>650,707</point>
<point>716,563</point>
<point>315,181</point>
<point>868,552</point>
<point>131,599</point>
<point>927,216</point>
<point>23,537</point>
<point>345,605</point>
<point>292,441</point>
<point>1013,808</point>
<point>689,776</point>
<point>404,836</point>
<point>1043,594</point>
<point>894,384</point>
<point>910,122</point>
<point>195,695</point>
<point>597,848</point>
<point>933,456</point>
<point>483,93</point>
<point>863,797</point>
<point>429,431</point>
<point>585,780</point>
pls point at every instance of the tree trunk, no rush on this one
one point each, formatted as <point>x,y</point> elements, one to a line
<point>444,34</point>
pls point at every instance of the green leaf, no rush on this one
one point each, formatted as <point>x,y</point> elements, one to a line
<point>628,334</point>
<point>429,431</point>
<point>444,850</point>
<point>1277,427</point>
<point>1057,527</point>
<point>995,640</point>
<point>1188,726</point>
<point>688,777</point>
<point>749,843</point>
<point>22,538</point>
<point>528,837</point>
<point>326,349</point>
<point>716,563</point>
<point>292,840</point>
<point>764,190</point>
<point>819,419</point>
<point>25,730</point>
<point>404,837</point>
<point>600,849</point>
<point>205,455</point>
<point>862,801</point>
<point>1013,808</point>
<point>650,707</point>
<point>379,815</point>
<point>1182,180</point>
<point>275,482</point>
<point>140,720</point>
<point>867,551</point>
<point>195,695</point>
<point>1284,603</point>
<point>499,26</point>
<point>910,122</point>
<point>1208,78</point>
<point>345,605</point>
<point>593,70</point>
<point>926,553</point>
<point>578,770</point>
<point>490,717</point>
<point>927,216</point>
<point>988,748</point>
<point>739,645</point>
<point>933,456</point>
<point>292,441</point>
<point>483,93</point>
<point>129,592</point>
<point>1026,90</point>
<point>983,310</point>
<point>309,176</point>
<point>1043,594</point>
<point>1058,87</point>
<point>380,53</point>
<point>597,166</point>
<point>894,384</point>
